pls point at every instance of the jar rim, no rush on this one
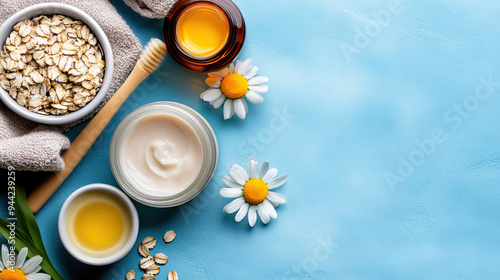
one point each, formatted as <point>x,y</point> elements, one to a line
<point>225,56</point>
<point>201,128</point>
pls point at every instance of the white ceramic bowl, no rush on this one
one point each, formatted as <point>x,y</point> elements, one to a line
<point>77,253</point>
<point>75,13</point>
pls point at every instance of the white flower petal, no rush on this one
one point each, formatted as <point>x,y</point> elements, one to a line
<point>238,174</point>
<point>231,183</point>
<point>234,205</point>
<point>251,73</point>
<point>239,108</point>
<point>231,69</point>
<point>2,266</point>
<point>274,204</point>
<point>34,270</point>
<point>270,209</point>
<point>21,257</point>
<point>276,198</point>
<point>252,215</point>
<point>224,72</point>
<point>253,168</point>
<point>219,101</point>
<point>254,97</point>
<point>237,65</point>
<point>270,175</point>
<point>213,82</point>
<point>242,212</point>
<point>255,81</point>
<point>246,68</point>
<point>38,276</point>
<point>230,192</point>
<point>245,105</point>
<point>228,109</point>
<point>263,169</point>
<point>5,256</point>
<point>277,182</point>
<point>259,89</point>
<point>32,265</point>
<point>211,95</point>
<point>264,216</point>
<point>203,94</point>
<point>216,75</point>
<point>242,68</point>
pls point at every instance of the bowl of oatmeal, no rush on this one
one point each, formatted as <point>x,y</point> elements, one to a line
<point>56,63</point>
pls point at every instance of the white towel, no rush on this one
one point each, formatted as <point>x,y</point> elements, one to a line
<point>151,8</point>
<point>26,145</point>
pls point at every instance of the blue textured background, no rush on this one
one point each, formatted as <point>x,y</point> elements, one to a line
<point>360,95</point>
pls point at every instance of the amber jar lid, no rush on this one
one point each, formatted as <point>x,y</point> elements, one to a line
<point>224,55</point>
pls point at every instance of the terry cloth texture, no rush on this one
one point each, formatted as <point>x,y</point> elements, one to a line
<point>26,145</point>
<point>151,8</point>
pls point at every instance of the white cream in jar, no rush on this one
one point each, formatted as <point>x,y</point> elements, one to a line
<point>161,154</point>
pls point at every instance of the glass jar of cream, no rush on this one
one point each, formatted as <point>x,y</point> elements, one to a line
<point>163,154</point>
<point>204,35</point>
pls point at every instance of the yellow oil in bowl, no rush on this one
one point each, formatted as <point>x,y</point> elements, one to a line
<point>98,224</point>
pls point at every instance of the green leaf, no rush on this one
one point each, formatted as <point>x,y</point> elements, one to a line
<point>5,231</point>
<point>22,240</point>
<point>26,220</point>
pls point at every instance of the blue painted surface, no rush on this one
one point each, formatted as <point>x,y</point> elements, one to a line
<point>388,178</point>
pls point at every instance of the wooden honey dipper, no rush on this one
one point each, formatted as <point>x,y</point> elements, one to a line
<point>150,59</point>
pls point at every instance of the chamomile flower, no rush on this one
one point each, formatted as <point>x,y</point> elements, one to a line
<point>19,269</point>
<point>229,85</point>
<point>252,192</point>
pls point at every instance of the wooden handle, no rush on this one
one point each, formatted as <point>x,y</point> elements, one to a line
<point>82,143</point>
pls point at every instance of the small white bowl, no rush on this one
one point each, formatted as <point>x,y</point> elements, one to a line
<point>77,14</point>
<point>71,248</point>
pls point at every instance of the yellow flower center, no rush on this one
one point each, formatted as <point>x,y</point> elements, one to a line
<point>255,191</point>
<point>12,274</point>
<point>234,86</point>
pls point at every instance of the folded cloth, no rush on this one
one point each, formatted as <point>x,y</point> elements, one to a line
<point>151,8</point>
<point>26,145</point>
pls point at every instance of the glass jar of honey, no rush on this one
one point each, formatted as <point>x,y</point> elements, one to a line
<point>204,35</point>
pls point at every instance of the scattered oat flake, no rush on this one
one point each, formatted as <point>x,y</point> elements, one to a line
<point>172,275</point>
<point>149,242</point>
<point>153,270</point>
<point>146,263</point>
<point>130,275</point>
<point>148,277</point>
<point>143,250</point>
<point>169,236</point>
<point>160,258</point>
